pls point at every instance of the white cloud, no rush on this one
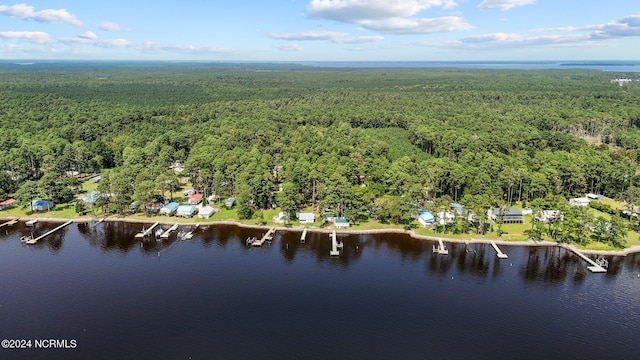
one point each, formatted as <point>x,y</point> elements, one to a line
<point>395,17</point>
<point>288,47</point>
<point>89,35</point>
<point>504,4</point>
<point>36,37</point>
<point>110,26</point>
<point>336,37</point>
<point>418,26</point>
<point>589,35</point>
<point>51,16</point>
<point>310,35</point>
<point>354,11</point>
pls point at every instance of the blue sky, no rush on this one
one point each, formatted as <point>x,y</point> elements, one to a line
<point>320,30</point>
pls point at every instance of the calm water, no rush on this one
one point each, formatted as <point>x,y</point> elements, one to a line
<point>385,297</point>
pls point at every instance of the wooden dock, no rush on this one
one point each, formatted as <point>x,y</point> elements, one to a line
<point>9,223</point>
<point>440,249</point>
<point>267,237</point>
<point>499,252</point>
<point>146,232</point>
<point>303,238</point>
<point>31,222</point>
<point>595,268</point>
<point>335,245</point>
<point>167,233</point>
<point>95,223</point>
<point>189,235</point>
<point>33,241</point>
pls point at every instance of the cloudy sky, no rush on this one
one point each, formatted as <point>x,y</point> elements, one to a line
<point>308,30</point>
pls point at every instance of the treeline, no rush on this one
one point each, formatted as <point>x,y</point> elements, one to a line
<point>357,142</point>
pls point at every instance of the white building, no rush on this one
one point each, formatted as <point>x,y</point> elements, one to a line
<point>584,201</point>
<point>206,212</point>
<point>306,217</point>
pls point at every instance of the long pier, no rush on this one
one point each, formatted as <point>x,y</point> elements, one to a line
<point>167,233</point>
<point>499,252</point>
<point>595,268</point>
<point>303,238</point>
<point>440,249</point>
<point>33,241</point>
<point>9,223</point>
<point>146,232</point>
<point>335,245</point>
<point>267,236</point>
<point>189,235</point>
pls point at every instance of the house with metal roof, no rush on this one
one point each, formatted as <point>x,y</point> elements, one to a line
<point>306,217</point>
<point>169,209</point>
<point>508,216</point>
<point>186,211</point>
<point>42,205</point>
<point>425,218</point>
<point>206,212</point>
<point>341,223</point>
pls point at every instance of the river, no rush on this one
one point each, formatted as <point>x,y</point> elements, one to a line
<point>385,296</point>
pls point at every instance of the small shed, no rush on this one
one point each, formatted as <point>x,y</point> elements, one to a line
<point>330,217</point>
<point>169,209</point>
<point>280,218</point>
<point>229,203</point>
<point>425,218</point>
<point>7,203</point>
<point>306,217</point>
<point>195,199</point>
<point>206,212</point>
<point>186,211</point>
<point>341,223</point>
<point>42,205</point>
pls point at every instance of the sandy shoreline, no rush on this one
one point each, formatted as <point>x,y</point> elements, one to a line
<point>622,252</point>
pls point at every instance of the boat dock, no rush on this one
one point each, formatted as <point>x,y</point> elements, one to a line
<point>167,233</point>
<point>146,232</point>
<point>9,223</point>
<point>268,236</point>
<point>95,223</point>
<point>499,252</point>
<point>303,238</point>
<point>440,249</point>
<point>189,235</point>
<point>33,241</point>
<point>335,245</point>
<point>31,222</point>
<point>596,268</point>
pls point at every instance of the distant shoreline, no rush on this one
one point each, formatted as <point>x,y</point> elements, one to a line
<point>411,233</point>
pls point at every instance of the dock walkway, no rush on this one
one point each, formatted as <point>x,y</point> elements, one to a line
<point>499,252</point>
<point>440,249</point>
<point>9,223</point>
<point>336,246</point>
<point>146,232</point>
<point>594,266</point>
<point>33,241</point>
<point>303,238</point>
<point>167,233</point>
<point>268,236</point>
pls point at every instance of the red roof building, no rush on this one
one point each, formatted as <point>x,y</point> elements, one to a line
<point>195,199</point>
<point>7,204</point>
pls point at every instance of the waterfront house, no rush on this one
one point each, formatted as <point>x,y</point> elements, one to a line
<point>153,208</point>
<point>548,216</point>
<point>42,205</point>
<point>186,211</point>
<point>330,217</point>
<point>195,199</point>
<point>583,201</point>
<point>425,218</point>
<point>341,223</point>
<point>306,217</point>
<point>508,216</point>
<point>92,197</point>
<point>281,217</point>
<point>229,203</point>
<point>445,218</point>
<point>7,203</point>
<point>206,212</point>
<point>169,209</point>
<point>456,207</point>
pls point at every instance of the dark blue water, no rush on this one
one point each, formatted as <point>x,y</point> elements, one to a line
<point>386,296</point>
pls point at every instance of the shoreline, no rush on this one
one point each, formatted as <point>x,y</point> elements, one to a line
<point>411,233</point>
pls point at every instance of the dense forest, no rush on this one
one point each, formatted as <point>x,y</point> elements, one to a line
<point>355,141</point>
